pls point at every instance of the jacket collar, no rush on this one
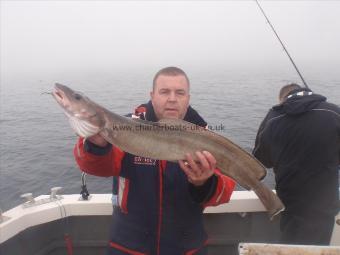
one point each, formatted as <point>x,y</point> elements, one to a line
<point>299,101</point>
<point>146,111</point>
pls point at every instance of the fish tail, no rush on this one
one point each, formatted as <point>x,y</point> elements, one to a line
<point>270,200</point>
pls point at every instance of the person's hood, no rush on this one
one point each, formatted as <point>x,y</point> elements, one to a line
<point>299,101</point>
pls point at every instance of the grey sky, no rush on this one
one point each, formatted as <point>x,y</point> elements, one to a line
<point>93,35</point>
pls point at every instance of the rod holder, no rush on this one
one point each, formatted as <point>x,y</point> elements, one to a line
<point>54,192</point>
<point>28,197</point>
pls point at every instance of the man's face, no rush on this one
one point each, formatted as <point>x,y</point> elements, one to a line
<point>170,97</point>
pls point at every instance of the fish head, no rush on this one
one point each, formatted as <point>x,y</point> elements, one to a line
<point>84,115</point>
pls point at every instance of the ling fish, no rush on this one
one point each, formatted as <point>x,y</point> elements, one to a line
<point>167,139</point>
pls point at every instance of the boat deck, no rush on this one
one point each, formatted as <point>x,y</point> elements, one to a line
<point>40,230</point>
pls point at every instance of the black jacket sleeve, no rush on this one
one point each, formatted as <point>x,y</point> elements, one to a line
<point>262,149</point>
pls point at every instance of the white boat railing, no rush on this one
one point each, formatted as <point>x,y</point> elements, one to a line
<point>281,249</point>
<point>49,208</point>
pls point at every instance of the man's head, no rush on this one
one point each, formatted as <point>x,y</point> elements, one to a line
<point>170,93</point>
<point>285,90</point>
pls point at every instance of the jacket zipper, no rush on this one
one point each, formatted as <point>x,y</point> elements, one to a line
<point>160,211</point>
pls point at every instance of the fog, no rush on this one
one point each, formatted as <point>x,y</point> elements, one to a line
<point>90,36</point>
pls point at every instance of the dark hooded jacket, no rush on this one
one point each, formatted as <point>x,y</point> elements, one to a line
<point>300,140</point>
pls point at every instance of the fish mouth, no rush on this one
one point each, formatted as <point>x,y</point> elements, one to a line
<point>58,94</point>
<point>61,98</point>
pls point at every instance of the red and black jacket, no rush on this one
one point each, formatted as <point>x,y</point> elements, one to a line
<point>160,211</point>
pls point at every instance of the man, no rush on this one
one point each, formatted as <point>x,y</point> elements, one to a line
<point>300,139</point>
<point>160,203</point>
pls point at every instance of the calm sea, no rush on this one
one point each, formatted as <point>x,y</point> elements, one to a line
<point>36,141</point>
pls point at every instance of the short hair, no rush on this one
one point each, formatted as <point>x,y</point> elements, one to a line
<point>285,90</point>
<point>169,71</point>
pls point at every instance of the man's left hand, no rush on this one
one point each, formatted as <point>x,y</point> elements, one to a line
<point>199,171</point>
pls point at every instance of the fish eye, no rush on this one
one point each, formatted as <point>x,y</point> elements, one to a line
<point>77,96</point>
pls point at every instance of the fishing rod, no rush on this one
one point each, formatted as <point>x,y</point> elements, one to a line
<point>277,36</point>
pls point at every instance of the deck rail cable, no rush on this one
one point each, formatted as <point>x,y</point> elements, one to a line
<point>278,37</point>
<point>67,237</point>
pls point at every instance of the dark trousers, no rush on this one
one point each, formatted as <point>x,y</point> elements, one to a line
<point>305,230</point>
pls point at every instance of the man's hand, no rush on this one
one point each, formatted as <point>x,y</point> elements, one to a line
<point>98,140</point>
<point>198,172</point>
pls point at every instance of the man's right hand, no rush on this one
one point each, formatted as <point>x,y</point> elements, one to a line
<point>98,140</point>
